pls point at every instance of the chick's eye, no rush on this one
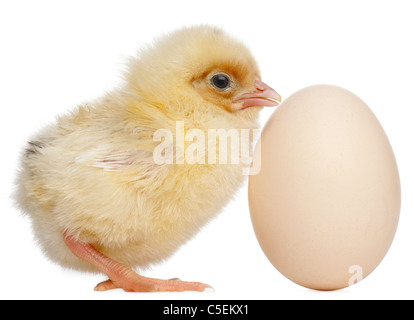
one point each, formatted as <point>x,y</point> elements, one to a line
<point>220,81</point>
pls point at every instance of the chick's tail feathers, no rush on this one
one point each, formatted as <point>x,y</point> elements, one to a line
<point>33,147</point>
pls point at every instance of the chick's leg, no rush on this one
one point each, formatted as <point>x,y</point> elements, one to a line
<point>123,277</point>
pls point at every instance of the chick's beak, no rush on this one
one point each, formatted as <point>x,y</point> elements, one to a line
<point>261,96</point>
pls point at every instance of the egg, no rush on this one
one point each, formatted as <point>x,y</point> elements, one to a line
<point>325,195</point>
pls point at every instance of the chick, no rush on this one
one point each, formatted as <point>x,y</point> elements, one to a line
<point>98,200</point>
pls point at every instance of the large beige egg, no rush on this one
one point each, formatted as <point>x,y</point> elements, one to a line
<point>325,203</point>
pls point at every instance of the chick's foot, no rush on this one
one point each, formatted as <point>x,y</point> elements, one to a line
<point>137,283</point>
<point>123,277</point>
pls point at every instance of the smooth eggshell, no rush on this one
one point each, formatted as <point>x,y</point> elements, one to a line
<point>326,201</point>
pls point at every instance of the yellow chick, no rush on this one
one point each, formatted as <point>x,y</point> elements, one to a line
<point>106,188</point>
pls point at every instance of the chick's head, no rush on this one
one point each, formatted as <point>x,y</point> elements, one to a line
<point>201,69</point>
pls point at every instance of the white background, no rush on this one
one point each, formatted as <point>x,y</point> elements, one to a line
<point>55,55</point>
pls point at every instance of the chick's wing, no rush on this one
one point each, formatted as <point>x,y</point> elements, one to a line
<point>129,165</point>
